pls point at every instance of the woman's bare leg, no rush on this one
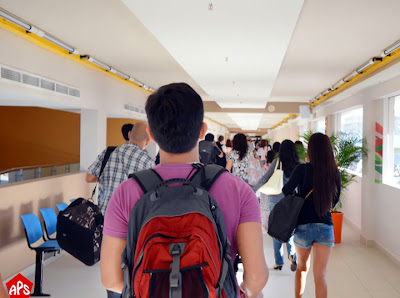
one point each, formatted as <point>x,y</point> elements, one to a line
<point>320,262</point>
<point>303,265</point>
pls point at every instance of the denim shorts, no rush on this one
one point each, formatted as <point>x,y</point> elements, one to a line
<point>306,235</point>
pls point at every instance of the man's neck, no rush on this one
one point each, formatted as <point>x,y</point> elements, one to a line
<point>189,157</point>
<point>136,143</point>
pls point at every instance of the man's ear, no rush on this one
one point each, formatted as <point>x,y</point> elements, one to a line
<point>129,135</point>
<point>203,130</point>
<point>149,133</point>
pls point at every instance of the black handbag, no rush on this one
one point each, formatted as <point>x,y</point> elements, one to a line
<point>283,217</point>
<point>80,231</point>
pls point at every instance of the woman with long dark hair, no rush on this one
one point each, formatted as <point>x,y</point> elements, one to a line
<point>314,228</point>
<point>239,158</point>
<point>287,161</point>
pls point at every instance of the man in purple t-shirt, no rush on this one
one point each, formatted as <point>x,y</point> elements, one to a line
<point>175,114</point>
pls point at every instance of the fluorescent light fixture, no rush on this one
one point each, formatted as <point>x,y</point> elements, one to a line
<point>353,74</point>
<point>136,82</point>
<point>337,85</point>
<point>9,17</point>
<point>118,73</point>
<point>392,48</point>
<point>325,92</point>
<point>37,31</point>
<point>97,62</point>
<point>152,89</point>
<point>60,43</point>
<point>368,64</point>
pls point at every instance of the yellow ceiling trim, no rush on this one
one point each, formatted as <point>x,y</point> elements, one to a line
<point>368,72</point>
<point>285,120</point>
<point>41,42</point>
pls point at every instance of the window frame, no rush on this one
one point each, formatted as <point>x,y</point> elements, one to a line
<point>388,142</point>
<point>338,129</point>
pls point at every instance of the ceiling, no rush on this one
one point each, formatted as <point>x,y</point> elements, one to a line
<point>232,49</point>
<point>279,53</point>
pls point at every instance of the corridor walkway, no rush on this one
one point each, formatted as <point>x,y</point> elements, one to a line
<point>354,271</point>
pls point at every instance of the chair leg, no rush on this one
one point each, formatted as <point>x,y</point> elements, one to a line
<point>39,275</point>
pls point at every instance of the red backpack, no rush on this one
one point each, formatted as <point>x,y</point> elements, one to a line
<point>177,244</point>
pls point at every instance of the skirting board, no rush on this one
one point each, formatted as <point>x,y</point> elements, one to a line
<point>373,243</point>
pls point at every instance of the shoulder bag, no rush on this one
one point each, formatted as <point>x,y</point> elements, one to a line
<point>275,183</point>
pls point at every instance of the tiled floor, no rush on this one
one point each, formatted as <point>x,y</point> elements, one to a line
<point>354,271</point>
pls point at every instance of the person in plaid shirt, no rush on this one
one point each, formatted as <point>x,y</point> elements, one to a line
<point>126,159</point>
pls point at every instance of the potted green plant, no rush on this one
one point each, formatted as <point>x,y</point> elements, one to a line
<point>348,149</point>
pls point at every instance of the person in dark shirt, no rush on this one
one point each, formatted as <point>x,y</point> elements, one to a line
<point>314,228</point>
<point>208,150</point>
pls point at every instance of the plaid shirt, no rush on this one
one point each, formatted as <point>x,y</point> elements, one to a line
<point>126,159</point>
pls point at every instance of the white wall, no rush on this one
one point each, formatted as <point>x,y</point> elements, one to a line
<point>352,203</point>
<point>289,131</point>
<point>216,129</point>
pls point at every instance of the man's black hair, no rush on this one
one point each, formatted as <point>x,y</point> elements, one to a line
<point>220,138</point>
<point>126,128</point>
<point>175,114</point>
<point>276,146</point>
<point>209,137</point>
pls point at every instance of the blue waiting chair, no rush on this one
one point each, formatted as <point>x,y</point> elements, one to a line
<point>33,232</point>
<point>61,206</point>
<point>50,222</point>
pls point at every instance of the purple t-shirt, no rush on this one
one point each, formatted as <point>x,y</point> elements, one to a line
<point>236,199</point>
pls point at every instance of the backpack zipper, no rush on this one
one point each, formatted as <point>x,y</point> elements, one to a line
<point>208,250</point>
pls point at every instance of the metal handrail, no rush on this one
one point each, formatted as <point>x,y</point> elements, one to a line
<point>35,167</point>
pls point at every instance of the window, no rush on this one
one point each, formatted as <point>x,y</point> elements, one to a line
<point>351,124</point>
<point>302,131</point>
<point>320,125</point>
<point>394,142</point>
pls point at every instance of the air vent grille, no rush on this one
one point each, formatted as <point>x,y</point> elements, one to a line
<point>30,80</point>
<point>134,109</point>
<point>36,81</point>
<point>10,74</point>
<point>47,85</point>
<point>62,89</point>
<point>74,92</point>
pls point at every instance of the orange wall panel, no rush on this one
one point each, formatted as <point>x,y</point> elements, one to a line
<point>35,136</point>
<point>114,134</point>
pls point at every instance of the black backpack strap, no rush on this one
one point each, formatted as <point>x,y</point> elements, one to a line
<point>205,176</point>
<point>109,150</point>
<point>147,179</point>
